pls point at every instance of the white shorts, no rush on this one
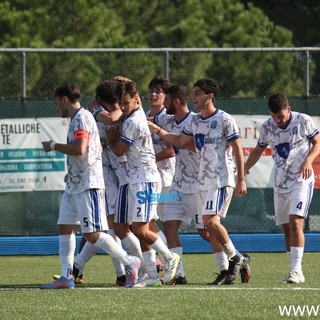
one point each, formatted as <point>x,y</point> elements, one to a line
<point>185,209</point>
<point>86,208</point>
<point>215,201</point>
<point>112,188</point>
<point>136,204</point>
<point>160,208</point>
<point>296,202</point>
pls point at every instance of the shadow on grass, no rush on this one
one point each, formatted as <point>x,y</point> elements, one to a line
<point>32,286</point>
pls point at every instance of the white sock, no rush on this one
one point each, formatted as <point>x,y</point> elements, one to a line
<point>162,236</point>
<point>296,258</point>
<point>149,259</point>
<point>221,260</point>
<point>162,249</point>
<point>108,244</point>
<point>67,247</point>
<point>87,252</point>
<point>118,266</point>
<point>132,244</point>
<point>229,249</point>
<point>238,253</point>
<point>289,257</point>
<point>178,250</point>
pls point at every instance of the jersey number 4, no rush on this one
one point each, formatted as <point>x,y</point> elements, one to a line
<point>299,205</point>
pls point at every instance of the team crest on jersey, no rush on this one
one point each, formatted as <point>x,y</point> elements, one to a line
<point>199,138</point>
<point>294,130</point>
<point>213,124</point>
<point>283,150</point>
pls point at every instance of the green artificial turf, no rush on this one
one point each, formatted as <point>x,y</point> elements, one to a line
<point>100,298</point>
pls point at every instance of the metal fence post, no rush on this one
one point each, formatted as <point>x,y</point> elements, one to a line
<point>306,73</point>
<point>23,76</point>
<point>166,67</point>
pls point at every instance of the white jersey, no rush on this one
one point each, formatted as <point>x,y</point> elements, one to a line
<point>166,166</point>
<point>290,147</point>
<point>141,164</point>
<point>187,162</point>
<point>110,162</point>
<point>211,136</point>
<point>116,164</point>
<point>84,172</point>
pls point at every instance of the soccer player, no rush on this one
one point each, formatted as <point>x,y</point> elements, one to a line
<point>134,204</point>
<point>164,153</point>
<point>83,200</point>
<point>215,134</point>
<point>179,206</point>
<point>295,143</point>
<point>182,207</point>
<point>107,112</point>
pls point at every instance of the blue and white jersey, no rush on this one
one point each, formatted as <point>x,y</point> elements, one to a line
<point>111,163</point>
<point>84,172</point>
<point>290,147</point>
<point>141,162</point>
<point>101,126</point>
<point>166,166</point>
<point>187,162</point>
<point>211,136</point>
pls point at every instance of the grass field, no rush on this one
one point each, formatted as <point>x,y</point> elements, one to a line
<point>99,298</point>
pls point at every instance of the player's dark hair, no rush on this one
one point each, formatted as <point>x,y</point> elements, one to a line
<point>71,91</point>
<point>159,82</point>
<point>277,102</point>
<point>105,91</point>
<point>125,87</point>
<point>178,91</point>
<point>208,86</point>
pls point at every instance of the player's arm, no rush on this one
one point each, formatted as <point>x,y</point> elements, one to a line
<point>306,166</point>
<point>166,153</point>
<point>178,141</point>
<point>77,148</point>
<point>117,146</point>
<point>241,188</point>
<point>109,117</point>
<point>253,158</point>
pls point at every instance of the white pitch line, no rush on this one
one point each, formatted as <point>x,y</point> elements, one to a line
<point>215,288</point>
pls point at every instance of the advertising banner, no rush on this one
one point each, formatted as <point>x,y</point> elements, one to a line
<point>24,166</point>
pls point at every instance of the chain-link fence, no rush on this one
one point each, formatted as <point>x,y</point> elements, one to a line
<point>246,77</point>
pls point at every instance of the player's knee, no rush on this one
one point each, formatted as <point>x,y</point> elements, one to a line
<point>92,237</point>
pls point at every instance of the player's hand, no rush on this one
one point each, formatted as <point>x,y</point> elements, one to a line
<point>92,105</point>
<point>46,145</point>
<point>112,134</point>
<point>241,188</point>
<point>306,170</point>
<point>153,127</point>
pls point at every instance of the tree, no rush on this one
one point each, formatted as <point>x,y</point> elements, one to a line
<point>144,24</point>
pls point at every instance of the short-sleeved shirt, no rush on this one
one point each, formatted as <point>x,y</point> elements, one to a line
<point>187,162</point>
<point>85,171</point>
<point>141,162</point>
<point>111,163</point>
<point>211,136</point>
<point>166,166</point>
<point>290,147</point>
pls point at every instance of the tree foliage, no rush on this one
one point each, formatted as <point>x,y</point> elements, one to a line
<point>145,24</point>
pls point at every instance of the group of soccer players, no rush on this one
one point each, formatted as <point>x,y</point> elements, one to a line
<point>119,158</point>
